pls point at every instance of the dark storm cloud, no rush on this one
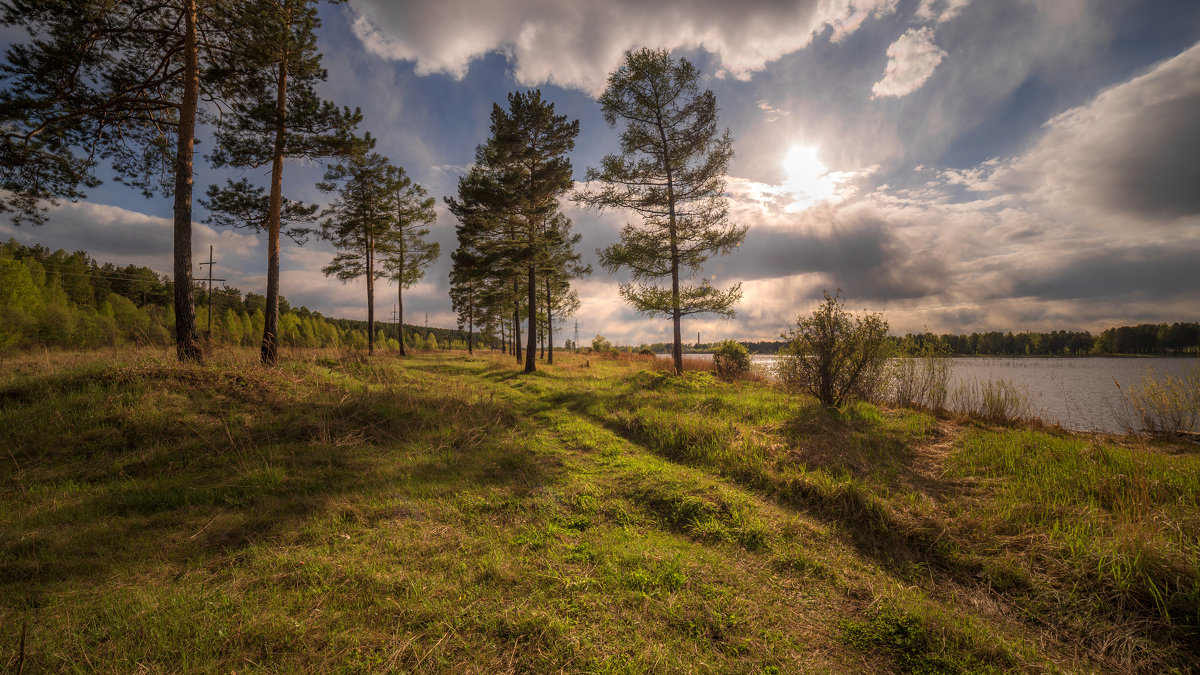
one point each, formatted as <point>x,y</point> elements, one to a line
<point>1154,272</point>
<point>861,254</point>
<point>1153,170</point>
<point>1132,149</point>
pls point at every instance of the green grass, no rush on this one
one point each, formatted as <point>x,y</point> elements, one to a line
<point>445,513</point>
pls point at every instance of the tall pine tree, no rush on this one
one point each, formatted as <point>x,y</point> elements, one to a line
<point>520,175</point>
<point>120,81</point>
<point>671,172</point>
<point>562,263</point>
<point>360,222</point>
<point>466,288</point>
<point>282,119</point>
<point>410,253</point>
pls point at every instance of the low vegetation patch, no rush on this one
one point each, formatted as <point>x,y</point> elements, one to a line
<point>447,513</point>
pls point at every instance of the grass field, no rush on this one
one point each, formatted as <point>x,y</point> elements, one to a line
<point>446,513</point>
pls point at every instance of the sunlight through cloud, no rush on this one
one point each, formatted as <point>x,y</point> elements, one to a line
<point>809,182</point>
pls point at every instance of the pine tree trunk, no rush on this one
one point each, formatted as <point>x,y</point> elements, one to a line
<point>677,343</point>
<point>270,342</point>
<point>549,326</point>
<point>187,343</point>
<point>370,295</point>
<point>400,297</point>
<point>531,348</point>
<point>470,330</point>
<point>516,335</point>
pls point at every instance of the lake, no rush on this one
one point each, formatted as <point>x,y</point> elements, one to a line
<point>1077,393</point>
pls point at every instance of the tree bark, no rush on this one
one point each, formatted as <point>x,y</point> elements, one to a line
<point>531,347</point>
<point>370,294</point>
<point>270,341</point>
<point>677,343</point>
<point>187,344</point>
<point>400,294</point>
<point>549,326</point>
<point>516,318</point>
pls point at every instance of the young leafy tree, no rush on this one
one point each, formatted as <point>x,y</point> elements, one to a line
<point>282,119</point>
<point>410,252</point>
<point>120,81</point>
<point>670,171</point>
<point>360,222</point>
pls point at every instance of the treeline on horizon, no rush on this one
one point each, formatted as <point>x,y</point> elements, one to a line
<point>60,299</point>
<point>1179,338</point>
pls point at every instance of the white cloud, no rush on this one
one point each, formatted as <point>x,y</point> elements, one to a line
<point>912,58</point>
<point>576,44</point>
<point>857,12</point>
<point>770,112</point>
<point>940,11</point>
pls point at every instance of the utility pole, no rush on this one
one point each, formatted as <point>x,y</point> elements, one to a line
<point>210,281</point>
<point>576,342</point>
<point>396,319</point>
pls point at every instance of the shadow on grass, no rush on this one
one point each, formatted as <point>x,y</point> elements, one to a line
<point>112,471</point>
<point>839,452</point>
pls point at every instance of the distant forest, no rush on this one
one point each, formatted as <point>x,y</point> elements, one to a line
<point>60,299</point>
<point>1178,338</point>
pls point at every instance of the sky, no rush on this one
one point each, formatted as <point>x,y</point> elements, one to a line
<point>958,165</point>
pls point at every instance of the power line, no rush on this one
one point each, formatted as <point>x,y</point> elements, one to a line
<point>210,279</point>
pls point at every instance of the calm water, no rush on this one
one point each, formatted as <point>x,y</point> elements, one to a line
<point>1079,394</point>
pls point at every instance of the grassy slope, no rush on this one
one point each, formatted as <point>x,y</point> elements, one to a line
<point>447,513</point>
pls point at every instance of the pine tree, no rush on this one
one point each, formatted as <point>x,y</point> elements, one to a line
<point>283,119</point>
<point>562,264</point>
<point>520,174</point>
<point>410,253</point>
<point>466,285</point>
<point>361,222</point>
<point>671,172</point>
<point>127,82</point>
<point>485,238</point>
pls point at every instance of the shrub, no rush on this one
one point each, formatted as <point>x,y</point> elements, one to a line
<point>601,344</point>
<point>1167,405</point>
<point>835,355</point>
<point>994,400</point>
<point>919,376</point>
<point>731,360</point>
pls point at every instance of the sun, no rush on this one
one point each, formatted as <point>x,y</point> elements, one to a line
<point>808,179</point>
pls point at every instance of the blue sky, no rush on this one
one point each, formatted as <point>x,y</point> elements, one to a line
<point>960,165</point>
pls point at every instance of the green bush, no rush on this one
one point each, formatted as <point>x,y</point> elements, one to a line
<point>602,345</point>
<point>835,355</point>
<point>731,360</point>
